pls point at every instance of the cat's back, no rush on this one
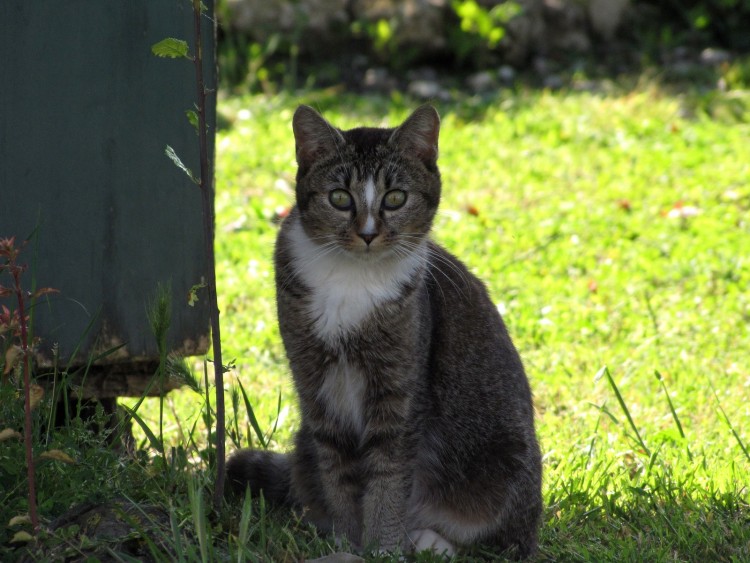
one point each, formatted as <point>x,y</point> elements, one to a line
<point>475,361</point>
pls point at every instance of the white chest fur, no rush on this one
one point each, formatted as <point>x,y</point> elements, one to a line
<point>345,288</point>
<point>342,392</point>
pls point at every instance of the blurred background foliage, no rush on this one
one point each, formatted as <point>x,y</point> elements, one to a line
<point>385,45</point>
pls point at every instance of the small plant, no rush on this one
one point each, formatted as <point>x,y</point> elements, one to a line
<point>14,330</point>
<point>176,48</point>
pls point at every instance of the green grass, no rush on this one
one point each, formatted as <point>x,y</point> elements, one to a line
<point>575,209</point>
<point>612,229</point>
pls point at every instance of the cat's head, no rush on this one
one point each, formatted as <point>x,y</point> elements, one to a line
<point>371,192</point>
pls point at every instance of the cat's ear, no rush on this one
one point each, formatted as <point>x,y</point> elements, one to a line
<point>313,136</point>
<point>418,135</point>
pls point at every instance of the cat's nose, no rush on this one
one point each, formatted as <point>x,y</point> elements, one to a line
<point>367,237</point>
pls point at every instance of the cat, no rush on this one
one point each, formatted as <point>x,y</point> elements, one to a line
<point>417,425</point>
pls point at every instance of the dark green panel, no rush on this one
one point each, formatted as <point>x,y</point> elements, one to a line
<point>85,113</point>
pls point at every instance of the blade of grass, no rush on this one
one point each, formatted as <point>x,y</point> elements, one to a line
<point>207,413</point>
<point>251,417</point>
<point>603,408</point>
<point>146,535</point>
<point>120,427</point>
<point>159,313</point>
<point>80,341</point>
<point>276,421</point>
<point>244,528</point>
<point>235,400</point>
<point>605,372</point>
<point>176,534</point>
<point>674,413</point>
<point>590,453</point>
<point>191,437</point>
<point>153,440</point>
<point>730,425</point>
<point>195,495</point>
<point>91,360</point>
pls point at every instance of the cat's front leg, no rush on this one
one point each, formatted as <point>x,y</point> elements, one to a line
<point>341,483</point>
<point>384,499</point>
<point>382,508</point>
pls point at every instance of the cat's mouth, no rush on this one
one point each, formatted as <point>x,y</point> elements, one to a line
<point>369,247</point>
<point>368,251</point>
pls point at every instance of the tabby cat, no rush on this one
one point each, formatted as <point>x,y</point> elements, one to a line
<point>417,425</point>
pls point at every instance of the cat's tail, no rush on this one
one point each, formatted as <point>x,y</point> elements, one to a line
<point>269,472</point>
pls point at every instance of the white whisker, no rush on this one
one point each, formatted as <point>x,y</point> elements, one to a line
<point>435,261</point>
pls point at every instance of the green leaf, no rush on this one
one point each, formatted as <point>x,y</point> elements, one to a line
<point>169,151</point>
<point>171,48</point>
<point>604,371</point>
<point>192,116</point>
<point>251,417</point>
<point>153,440</point>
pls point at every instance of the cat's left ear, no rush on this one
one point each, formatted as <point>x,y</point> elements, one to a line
<point>418,135</point>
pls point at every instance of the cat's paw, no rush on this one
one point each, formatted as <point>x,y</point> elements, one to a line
<point>427,539</point>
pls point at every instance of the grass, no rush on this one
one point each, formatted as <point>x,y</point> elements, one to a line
<point>612,230</point>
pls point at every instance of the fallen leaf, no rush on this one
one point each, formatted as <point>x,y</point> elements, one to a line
<point>58,455</point>
<point>36,394</point>
<point>22,537</point>
<point>9,433</point>
<point>12,355</point>
<point>17,520</point>
<point>44,291</point>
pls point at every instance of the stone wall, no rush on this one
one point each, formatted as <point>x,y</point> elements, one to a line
<point>542,28</point>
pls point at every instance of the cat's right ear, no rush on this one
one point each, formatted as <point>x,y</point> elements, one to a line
<point>313,136</point>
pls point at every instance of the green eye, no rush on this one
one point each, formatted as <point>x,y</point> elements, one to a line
<point>340,199</point>
<point>394,199</point>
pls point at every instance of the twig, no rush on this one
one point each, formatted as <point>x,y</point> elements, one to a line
<point>27,406</point>
<point>9,250</point>
<point>207,191</point>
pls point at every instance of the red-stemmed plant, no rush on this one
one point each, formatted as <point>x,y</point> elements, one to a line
<point>16,324</point>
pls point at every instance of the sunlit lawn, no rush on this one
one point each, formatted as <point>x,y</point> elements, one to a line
<point>612,230</point>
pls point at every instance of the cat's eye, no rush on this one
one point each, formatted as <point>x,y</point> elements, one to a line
<point>341,199</point>
<point>394,199</point>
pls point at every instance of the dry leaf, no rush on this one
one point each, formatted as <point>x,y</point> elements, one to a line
<point>44,291</point>
<point>22,537</point>
<point>12,356</point>
<point>58,455</point>
<point>17,520</point>
<point>36,394</point>
<point>9,433</point>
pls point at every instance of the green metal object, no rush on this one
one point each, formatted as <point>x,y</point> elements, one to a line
<point>86,112</point>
